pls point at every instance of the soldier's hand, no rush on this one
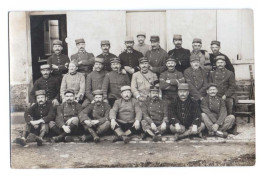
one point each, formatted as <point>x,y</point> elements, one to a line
<point>123,71</point>
<point>68,122</point>
<point>55,102</point>
<point>32,104</point>
<point>224,97</point>
<point>93,101</point>
<point>194,129</point>
<point>88,123</point>
<point>201,98</point>
<point>215,127</point>
<point>32,122</point>
<point>94,122</point>
<point>80,62</point>
<point>153,126</point>
<point>141,98</point>
<point>105,100</point>
<point>137,124</point>
<point>66,129</point>
<point>163,126</point>
<point>150,67</point>
<point>168,81</point>
<point>66,65</point>
<point>35,126</point>
<point>54,66</point>
<point>178,127</point>
<point>113,123</point>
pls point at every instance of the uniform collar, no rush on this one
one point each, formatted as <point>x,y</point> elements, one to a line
<point>73,73</point>
<point>105,54</point>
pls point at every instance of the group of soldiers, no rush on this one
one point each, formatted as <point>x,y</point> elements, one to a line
<point>144,90</point>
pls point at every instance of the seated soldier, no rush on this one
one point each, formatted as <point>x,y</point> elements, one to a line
<point>73,80</point>
<point>37,118</point>
<point>226,82</point>
<point>185,115</point>
<point>113,81</point>
<point>95,117</point>
<point>215,113</point>
<point>125,115</point>
<point>170,79</point>
<point>197,79</point>
<point>143,80</point>
<point>155,115</point>
<point>67,117</point>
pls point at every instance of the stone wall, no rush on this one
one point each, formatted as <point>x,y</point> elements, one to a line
<point>18,97</point>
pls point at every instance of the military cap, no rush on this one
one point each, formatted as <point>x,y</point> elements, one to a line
<point>40,92</point>
<point>123,88</point>
<point>212,85</point>
<point>143,59</point>
<point>197,40</point>
<point>129,39</point>
<point>57,42</point>
<point>141,33</point>
<point>177,37</point>
<point>81,40</point>
<point>97,92</point>
<point>194,57</point>
<point>215,42</point>
<point>171,59</point>
<point>154,88</point>
<point>69,91</point>
<point>220,57</point>
<point>74,62</point>
<point>154,38</point>
<point>45,66</point>
<point>115,59</point>
<point>183,86</point>
<point>100,60</point>
<point>105,42</point>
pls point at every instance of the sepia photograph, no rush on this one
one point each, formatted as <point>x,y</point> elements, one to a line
<point>132,88</point>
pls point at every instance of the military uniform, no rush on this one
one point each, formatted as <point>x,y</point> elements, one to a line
<point>143,48</point>
<point>107,57</point>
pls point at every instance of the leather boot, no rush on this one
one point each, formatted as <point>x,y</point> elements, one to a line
<point>39,140</point>
<point>94,135</point>
<point>60,137</point>
<point>56,130</point>
<point>86,138</point>
<point>21,141</point>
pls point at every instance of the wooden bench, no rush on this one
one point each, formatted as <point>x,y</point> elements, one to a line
<point>251,109</point>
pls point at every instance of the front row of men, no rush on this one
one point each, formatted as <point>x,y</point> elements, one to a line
<point>183,116</point>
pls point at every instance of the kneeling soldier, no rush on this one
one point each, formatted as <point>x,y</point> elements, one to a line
<point>125,115</point>
<point>67,117</point>
<point>185,115</point>
<point>94,117</point>
<point>155,113</point>
<point>215,113</point>
<point>37,118</point>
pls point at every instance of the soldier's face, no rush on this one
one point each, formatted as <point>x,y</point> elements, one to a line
<point>144,66</point>
<point>72,68</point>
<point>115,66</point>
<point>98,66</point>
<point>129,45</point>
<point>170,65</point>
<point>41,99</point>
<point>98,99</point>
<point>46,73</point>
<point>183,94</point>
<point>126,95</point>
<point>105,48</point>
<point>220,64</point>
<point>215,49</point>
<point>154,95</point>
<point>195,64</point>
<point>141,39</point>
<point>177,43</point>
<point>155,45</point>
<point>196,46</point>
<point>57,49</point>
<point>69,97</point>
<point>81,47</point>
<point>212,91</point>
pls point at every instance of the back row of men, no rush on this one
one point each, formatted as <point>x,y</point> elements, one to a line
<point>108,74</point>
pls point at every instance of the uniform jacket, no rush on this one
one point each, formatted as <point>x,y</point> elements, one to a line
<point>140,85</point>
<point>107,64</point>
<point>95,112</point>
<point>157,59</point>
<point>204,59</point>
<point>126,111</point>
<point>60,61</point>
<point>215,108</point>
<point>198,82</point>
<point>87,59</point>
<point>183,58</point>
<point>50,85</point>
<point>155,111</point>
<point>142,48</point>
<point>65,111</point>
<point>229,65</point>
<point>36,112</point>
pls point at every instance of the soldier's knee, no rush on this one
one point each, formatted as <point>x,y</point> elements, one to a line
<point>204,117</point>
<point>172,129</point>
<point>143,122</point>
<point>231,118</point>
<point>52,124</point>
<point>75,121</point>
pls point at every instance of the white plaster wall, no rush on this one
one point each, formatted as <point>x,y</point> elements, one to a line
<point>95,26</point>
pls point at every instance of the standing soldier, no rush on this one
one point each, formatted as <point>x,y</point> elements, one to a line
<point>155,115</point>
<point>169,80</point>
<point>197,78</point>
<point>95,118</point>
<point>113,81</point>
<point>143,80</point>
<point>226,82</point>
<point>85,60</point>
<point>67,117</point>
<point>215,47</point>
<point>141,46</point>
<point>94,81</point>
<point>58,61</point>
<point>106,55</point>
<point>215,114</point>
<point>48,83</point>
<point>185,115</point>
<point>157,56</point>
<point>37,118</point>
<point>182,55</point>
<point>129,58</point>
<point>125,115</point>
